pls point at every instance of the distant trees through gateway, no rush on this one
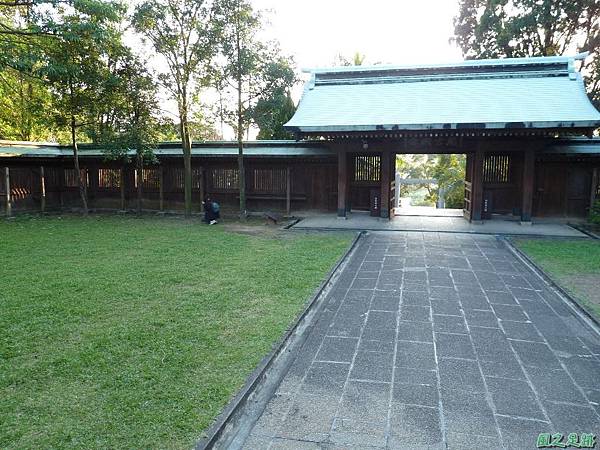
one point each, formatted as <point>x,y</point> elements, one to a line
<point>432,180</point>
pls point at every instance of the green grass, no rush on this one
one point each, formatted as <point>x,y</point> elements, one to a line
<point>135,333</point>
<point>574,264</point>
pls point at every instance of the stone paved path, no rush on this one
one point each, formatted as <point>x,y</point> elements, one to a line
<point>436,341</point>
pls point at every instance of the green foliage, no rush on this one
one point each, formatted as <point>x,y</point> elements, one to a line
<point>448,170</point>
<point>271,113</point>
<point>131,124</point>
<point>107,343</point>
<point>517,28</point>
<point>595,213</point>
<point>24,102</point>
<point>249,71</point>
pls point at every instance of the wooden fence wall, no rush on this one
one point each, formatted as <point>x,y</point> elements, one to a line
<point>283,185</point>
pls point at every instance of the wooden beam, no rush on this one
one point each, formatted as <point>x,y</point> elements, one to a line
<point>342,183</point>
<point>288,190</point>
<point>528,183</point>
<point>8,199</point>
<point>161,189</point>
<point>43,189</point>
<point>385,184</point>
<point>477,186</point>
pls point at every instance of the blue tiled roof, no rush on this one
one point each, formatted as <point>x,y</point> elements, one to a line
<point>491,94</point>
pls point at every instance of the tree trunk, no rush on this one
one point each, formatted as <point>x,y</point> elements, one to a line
<point>140,182</point>
<point>187,161</point>
<point>81,183</point>
<point>240,139</point>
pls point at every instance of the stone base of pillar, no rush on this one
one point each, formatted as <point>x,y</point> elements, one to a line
<point>526,223</point>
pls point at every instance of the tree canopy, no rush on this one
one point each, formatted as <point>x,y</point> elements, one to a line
<point>518,28</point>
<point>248,72</point>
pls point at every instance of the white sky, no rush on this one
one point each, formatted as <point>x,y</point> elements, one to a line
<point>314,32</point>
<point>388,31</point>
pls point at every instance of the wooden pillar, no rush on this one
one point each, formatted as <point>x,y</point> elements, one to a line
<point>288,190</point>
<point>42,190</point>
<point>8,199</point>
<point>385,184</point>
<point>528,183</point>
<point>61,187</point>
<point>122,183</point>
<point>477,185</point>
<point>92,177</point>
<point>342,183</point>
<point>594,189</point>
<point>161,188</point>
<point>202,190</point>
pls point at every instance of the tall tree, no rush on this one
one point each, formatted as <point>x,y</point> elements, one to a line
<point>133,125</point>
<point>248,70</point>
<point>180,31</point>
<point>517,28</point>
<point>84,33</point>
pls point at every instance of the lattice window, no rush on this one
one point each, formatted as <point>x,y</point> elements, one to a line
<point>269,181</point>
<point>224,179</point>
<point>367,168</point>
<point>496,169</point>
<point>196,178</point>
<point>109,178</point>
<point>178,175</point>
<point>150,179</point>
<point>71,177</point>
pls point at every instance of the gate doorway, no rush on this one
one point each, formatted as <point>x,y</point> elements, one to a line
<point>430,185</point>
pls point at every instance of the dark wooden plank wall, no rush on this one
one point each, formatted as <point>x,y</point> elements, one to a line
<point>562,188</point>
<point>112,185</point>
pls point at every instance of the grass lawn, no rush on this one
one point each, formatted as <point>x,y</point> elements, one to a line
<point>574,264</point>
<point>134,333</point>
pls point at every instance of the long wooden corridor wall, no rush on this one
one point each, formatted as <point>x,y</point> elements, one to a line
<point>283,185</point>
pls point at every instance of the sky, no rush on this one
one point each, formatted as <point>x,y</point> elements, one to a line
<point>315,32</point>
<point>386,31</point>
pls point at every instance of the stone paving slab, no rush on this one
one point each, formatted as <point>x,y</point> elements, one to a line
<point>436,341</point>
<point>363,221</point>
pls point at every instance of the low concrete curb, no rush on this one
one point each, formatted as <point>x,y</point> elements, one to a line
<point>580,310</point>
<point>233,425</point>
<point>584,231</point>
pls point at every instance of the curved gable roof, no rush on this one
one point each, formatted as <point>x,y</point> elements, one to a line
<point>478,94</point>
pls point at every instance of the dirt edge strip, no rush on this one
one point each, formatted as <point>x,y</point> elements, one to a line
<point>233,425</point>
